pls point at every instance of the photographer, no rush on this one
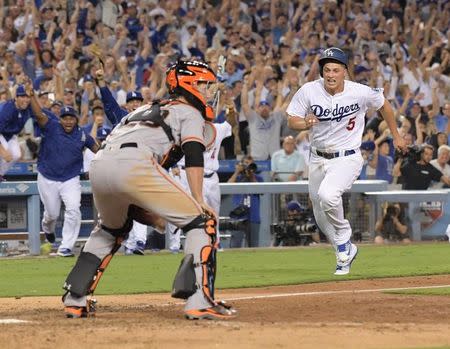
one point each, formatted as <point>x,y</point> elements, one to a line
<point>392,226</point>
<point>298,229</point>
<point>247,206</point>
<point>417,171</point>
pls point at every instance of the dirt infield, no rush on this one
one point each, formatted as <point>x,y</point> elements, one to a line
<point>346,314</point>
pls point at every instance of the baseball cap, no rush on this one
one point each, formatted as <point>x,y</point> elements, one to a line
<point>361,69</point>
<point>190,24</point>
<point>68,90</point>
<point>68,111</point>
<point>294,206</point>
<point>103,132</point>
<point>368,145</point>
<point>56,102</point>
<point>46,8</point>
<point>20,91</point>
<point>130,52</point>
<point>264,103</point>
<point>88,77</point>
<point>134,95</point>
<point>157,12</point>
<point>383,52</point>
<point>43,93</point>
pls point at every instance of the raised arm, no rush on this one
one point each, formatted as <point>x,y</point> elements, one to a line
<point>113,111</point>
<point>41,118</point>
<point>244,98</point>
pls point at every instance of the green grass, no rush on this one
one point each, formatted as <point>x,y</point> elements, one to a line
<point>236,268</point>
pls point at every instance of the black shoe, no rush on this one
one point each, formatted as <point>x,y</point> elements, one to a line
<point>50,237</point>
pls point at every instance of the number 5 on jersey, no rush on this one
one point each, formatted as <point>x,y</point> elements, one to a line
<point>351,123</point>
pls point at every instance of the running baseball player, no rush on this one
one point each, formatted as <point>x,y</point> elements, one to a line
<point>129,181</point>
<point>59,164</point>
<point>333,109</point>
<point>211,189</point>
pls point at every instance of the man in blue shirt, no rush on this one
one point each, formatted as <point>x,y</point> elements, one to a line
<point>385,163</point>
<point>59,164</point>
<point>14,113</point>
<point>246,172</point>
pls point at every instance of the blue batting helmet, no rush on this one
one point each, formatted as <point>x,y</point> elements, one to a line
<point>332,54</point>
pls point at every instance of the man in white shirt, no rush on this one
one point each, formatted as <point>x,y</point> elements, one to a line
<point>441,163</point>
<point>334,109</point>
<point>287,164</point>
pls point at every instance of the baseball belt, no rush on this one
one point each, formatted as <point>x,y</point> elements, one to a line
<point>334,154</point>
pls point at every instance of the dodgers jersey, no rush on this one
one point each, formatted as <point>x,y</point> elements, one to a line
<point>61,154</point>
<point>342,116</point>
<point>211,155</point>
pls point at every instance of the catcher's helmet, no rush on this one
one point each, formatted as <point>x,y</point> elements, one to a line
<point>182,78</point>
<point>332,54</point>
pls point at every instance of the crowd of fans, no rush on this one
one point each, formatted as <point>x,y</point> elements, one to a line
<point>271,48</point>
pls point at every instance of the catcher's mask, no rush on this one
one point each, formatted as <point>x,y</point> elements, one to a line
<point>196,82</point>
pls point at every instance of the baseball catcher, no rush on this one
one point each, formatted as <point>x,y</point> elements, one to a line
<point>129,181</point>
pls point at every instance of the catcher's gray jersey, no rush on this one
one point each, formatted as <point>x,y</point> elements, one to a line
<point>186,123</point>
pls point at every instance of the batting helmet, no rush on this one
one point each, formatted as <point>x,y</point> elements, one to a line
<point>332,54</point>
<point>182,79</point>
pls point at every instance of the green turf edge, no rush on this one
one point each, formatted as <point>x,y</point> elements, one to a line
<point>237,269</point>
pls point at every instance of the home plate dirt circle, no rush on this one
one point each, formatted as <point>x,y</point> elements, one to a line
<point>344,314</point>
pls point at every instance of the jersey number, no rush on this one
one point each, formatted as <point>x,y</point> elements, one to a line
<point>213,155</point>
<point>351,123</point>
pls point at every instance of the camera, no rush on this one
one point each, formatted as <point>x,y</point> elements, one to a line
<point>294,231</point>
<point>391,211</point>
<point>413,153</point>
<point>250,167</point>
<point>232,224</point>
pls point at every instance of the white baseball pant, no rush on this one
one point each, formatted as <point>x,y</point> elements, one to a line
<point>52,193</point>
<point>14,148</point>
<point>328,180</point>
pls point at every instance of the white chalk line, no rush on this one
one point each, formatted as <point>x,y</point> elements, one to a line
<point>312,293</point>
<point>13,321</point>
<point>318,293</point>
